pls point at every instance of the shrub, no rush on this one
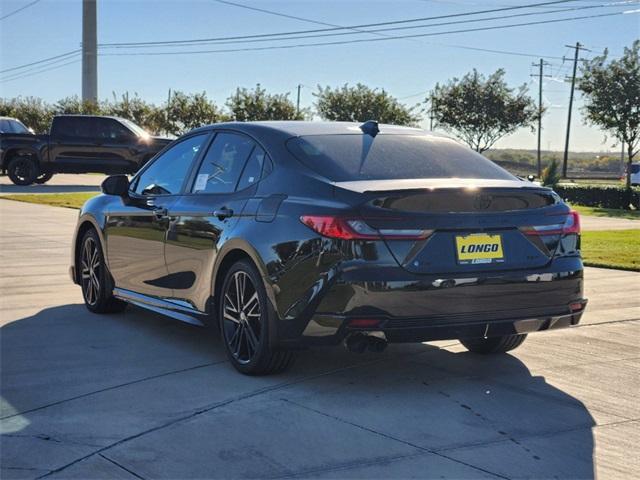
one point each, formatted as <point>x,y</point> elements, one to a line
<point>599,196</point>
<point>550,175</point>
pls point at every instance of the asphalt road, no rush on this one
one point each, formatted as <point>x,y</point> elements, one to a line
<point>58,184</point>
<point>136,395</point>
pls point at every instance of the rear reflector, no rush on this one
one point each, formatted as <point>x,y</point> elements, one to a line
<point>354,229</point>
<point>570,225</point>
<point>576,307</point>
<point>364,323</point>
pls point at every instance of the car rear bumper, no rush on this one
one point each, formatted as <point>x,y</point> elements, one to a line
<point>416,308</point>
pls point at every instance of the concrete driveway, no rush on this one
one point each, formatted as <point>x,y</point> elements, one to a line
<point>136,395</point>
<point>590,223</point>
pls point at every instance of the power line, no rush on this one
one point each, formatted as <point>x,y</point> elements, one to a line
<point>502,52</point>
<point>270,12</point>
<point>44,60</point>
<point>290,36</point>
<point>38,67</point>
<point>19,9</point>
<point>321,30</point>
<point>48,69</point>
<point>345,42</point>
<point>302,19</point>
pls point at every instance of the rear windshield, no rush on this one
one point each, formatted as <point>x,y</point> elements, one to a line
<point>342,158</point>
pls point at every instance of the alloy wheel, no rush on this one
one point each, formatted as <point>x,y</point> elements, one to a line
<point>242,317</point>
<point>91,271</point>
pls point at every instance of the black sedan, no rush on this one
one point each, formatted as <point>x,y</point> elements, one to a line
<point>283,235</point>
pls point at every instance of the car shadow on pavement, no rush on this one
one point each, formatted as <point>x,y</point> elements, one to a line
<point>74,383</point>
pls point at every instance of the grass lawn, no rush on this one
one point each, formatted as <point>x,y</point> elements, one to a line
<point>607,212</point>
<point>69,200</point>
<point>615,249</point>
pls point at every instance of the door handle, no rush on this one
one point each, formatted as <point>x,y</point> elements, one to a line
<point>223,213</point>
<point>160,213</point>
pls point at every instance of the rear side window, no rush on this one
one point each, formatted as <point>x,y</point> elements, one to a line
<point>253,169</point>
<point>635,168</point>
<point>74,127</point>
<point>5,126</point>
<point>342,158</point>
<point>223,163</point>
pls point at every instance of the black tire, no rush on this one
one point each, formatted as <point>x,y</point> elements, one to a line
<point>95,279</point>
<point>493,345</point>
<point>23,170</point>
<point>244,316</point>
<point>43,178</point>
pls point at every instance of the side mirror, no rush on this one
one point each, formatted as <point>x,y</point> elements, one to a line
<point>116,185</point>
<point>531,178</point>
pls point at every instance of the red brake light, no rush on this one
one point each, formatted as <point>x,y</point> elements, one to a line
<point>353,229</point>
<point>332,227</point>
<point>570,225</point>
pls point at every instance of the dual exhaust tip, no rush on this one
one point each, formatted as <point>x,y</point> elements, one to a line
<point>359,343</point>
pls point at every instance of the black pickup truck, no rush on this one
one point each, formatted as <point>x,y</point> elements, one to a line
<point>77,144</point>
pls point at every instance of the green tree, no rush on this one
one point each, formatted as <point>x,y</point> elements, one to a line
<point>551,174</point>
<point>248,105</point>
<point>481,110</point>
<point>187,111</point>
<point>147,115</point>
<point>611,91</point>
<point>33,112</point>
<point>361,103</point>
<point>74,105</point>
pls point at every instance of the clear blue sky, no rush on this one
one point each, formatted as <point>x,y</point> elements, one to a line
<point>402,67</point>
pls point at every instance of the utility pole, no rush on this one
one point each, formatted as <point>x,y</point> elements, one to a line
<point>431,115</point>
<point>540,75</point>
<point>298,101</point>
<point>89,51</point>
<point>168,110</point>
<point>577,48</point>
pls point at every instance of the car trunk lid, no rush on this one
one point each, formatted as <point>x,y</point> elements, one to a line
<point>469,225</point>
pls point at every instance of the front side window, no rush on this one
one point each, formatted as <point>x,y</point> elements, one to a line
<point>108,129</point>
<point>167,173</point>
<point>135,128</point>
<point>223,163</point>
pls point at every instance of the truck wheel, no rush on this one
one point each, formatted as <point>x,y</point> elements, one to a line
<point>23,170</point>
<point>490,345</point>
<point>44,178</point>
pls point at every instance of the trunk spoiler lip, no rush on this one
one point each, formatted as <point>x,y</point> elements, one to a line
<point>363,186</point>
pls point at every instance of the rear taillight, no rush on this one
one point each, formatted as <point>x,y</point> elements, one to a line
<point>354,229</point>
<point>571,225</point>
